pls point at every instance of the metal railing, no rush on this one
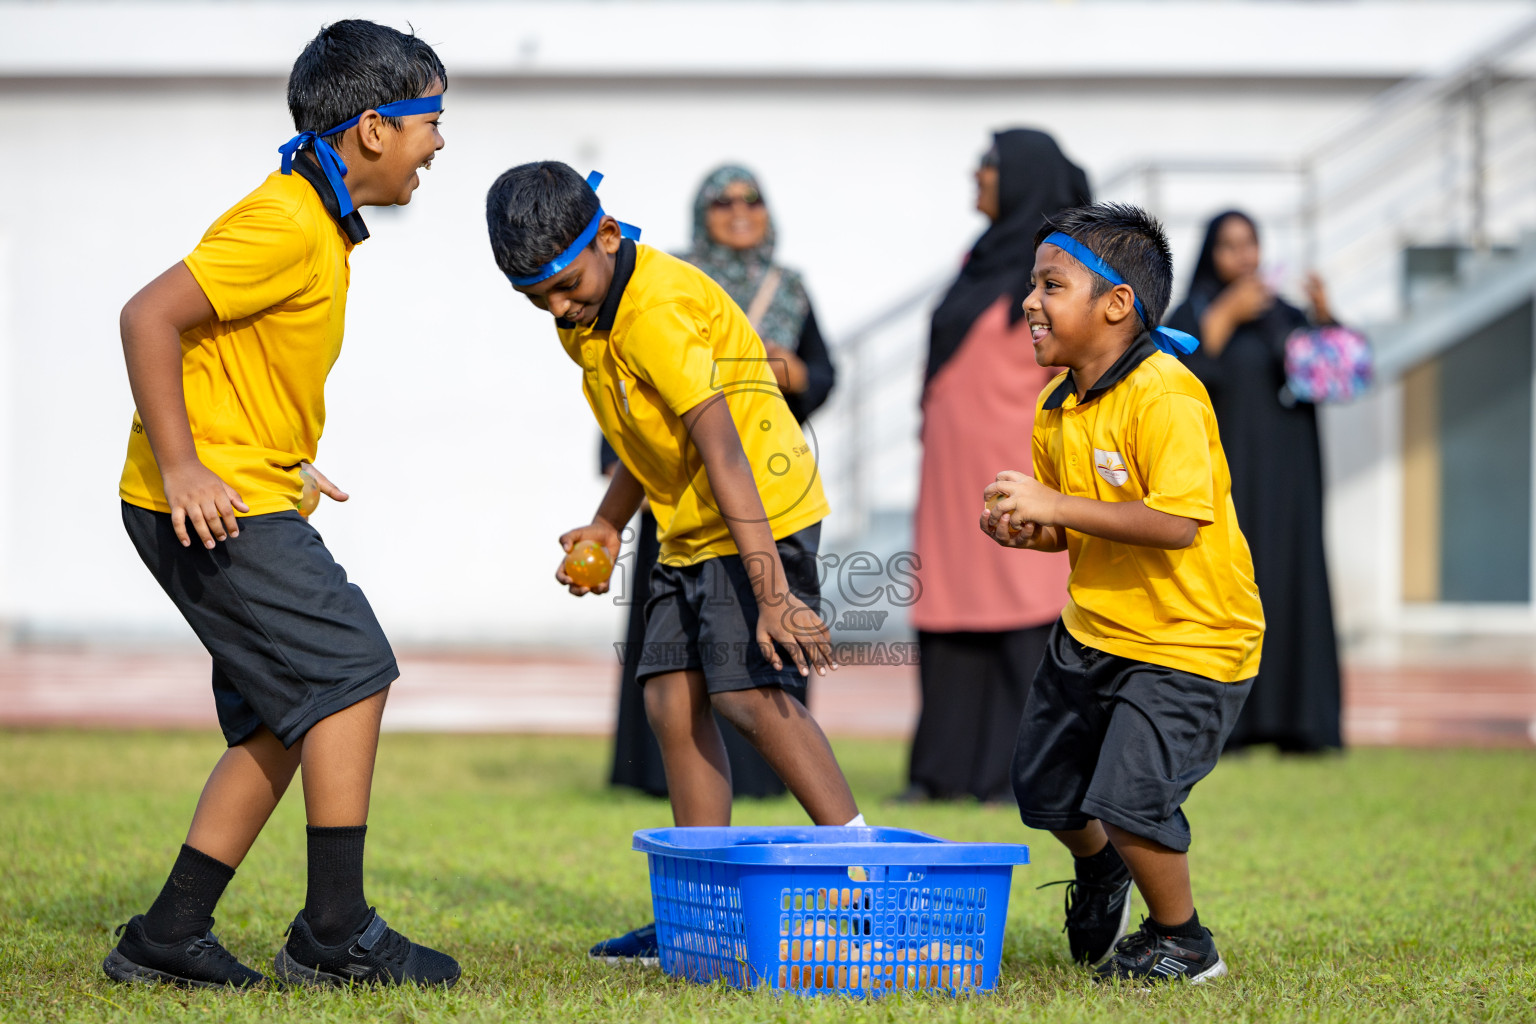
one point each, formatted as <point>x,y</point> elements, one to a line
<point>1437,160</point>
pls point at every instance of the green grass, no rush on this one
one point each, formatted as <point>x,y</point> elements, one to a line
<point>1384,886</point>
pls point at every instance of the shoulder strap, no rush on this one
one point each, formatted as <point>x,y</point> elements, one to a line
<point>764,297</point>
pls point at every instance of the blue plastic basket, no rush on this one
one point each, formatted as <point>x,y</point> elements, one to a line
<point>860,911</point>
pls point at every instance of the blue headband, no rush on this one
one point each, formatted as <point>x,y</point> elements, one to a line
<point>1175,343</point>
<point>331,162</point>
<point>573,250</point>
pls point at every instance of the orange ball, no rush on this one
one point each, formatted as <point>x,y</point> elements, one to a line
<point>992,500</point>
<point>310,500</point>
<point>588,564</point>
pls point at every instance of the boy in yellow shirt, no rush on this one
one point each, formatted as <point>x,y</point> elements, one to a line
<point>1158,645</point>
<point>681,387</point>
<point>227,356</point>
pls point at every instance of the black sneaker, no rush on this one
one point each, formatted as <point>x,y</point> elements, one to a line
<point>198,962</point>
<point>1148,958</point>
<point>376,954</point>
<point>636,947</point>
<point>1097,916</point>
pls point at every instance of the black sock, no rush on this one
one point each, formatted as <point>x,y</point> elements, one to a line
<point>1099,868</point>
<point>1190,929</point>
<point>335,905</point>
<point>184,908</point>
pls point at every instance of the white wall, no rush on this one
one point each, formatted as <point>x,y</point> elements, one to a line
<point>8,443</point>
<point>454,419</point>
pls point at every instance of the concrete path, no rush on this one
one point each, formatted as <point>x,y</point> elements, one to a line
<point>1415,701</point>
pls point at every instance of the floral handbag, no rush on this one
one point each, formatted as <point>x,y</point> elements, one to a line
<point>1326,364</point>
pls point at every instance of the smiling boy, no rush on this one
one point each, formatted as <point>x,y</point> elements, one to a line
<point>227,355</point>
<point>1158,645</point>
<point>680,385</point>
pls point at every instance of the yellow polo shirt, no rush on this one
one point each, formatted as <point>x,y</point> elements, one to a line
<point>274,268</point>
<point>1146,432</point>
<point>666,339</point>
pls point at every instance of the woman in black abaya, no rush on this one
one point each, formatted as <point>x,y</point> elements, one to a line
<point>985,612</point>
<point>1273,452</point>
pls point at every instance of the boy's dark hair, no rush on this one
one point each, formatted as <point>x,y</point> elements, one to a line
<point>1129,239</point>
<point>355,65</point>
<point>534,211</point>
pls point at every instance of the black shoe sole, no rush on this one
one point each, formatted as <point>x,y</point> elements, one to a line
<point>290,972</point>
<point>120,968</point>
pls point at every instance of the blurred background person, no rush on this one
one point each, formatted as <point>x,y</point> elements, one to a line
<point>985,612</point>
<point>1273,452</point>
<point>733,242</point>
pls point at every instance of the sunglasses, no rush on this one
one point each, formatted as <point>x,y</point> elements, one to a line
<point>751,199</point>
<point>989,158</point>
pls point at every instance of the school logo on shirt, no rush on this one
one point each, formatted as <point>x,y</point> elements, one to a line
<point>1111,467</point>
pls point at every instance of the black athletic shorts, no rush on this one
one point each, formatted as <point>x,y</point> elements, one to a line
<point>704,616</point>
<point>292,641</point>
<point>1119,740</point>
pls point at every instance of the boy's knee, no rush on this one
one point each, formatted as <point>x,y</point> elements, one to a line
<point>671,702</point>
<point>733,708</point>
<point>655,699</point>
<point>747,709</point>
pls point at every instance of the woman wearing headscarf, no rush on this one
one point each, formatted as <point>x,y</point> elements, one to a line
<point>984,613</point>
<point>1275,460</point>
<point>733,242</point>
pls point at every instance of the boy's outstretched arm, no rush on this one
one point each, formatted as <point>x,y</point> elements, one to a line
<point>1023,499</point>
<point>782,618</point>
<point>617,508</point>
<point>152,324</point>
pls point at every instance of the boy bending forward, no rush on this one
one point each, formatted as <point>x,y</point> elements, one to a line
<point>1158,645</point>
<point>227,355</point>
<point>681,387</point>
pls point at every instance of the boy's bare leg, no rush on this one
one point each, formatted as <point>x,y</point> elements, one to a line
<point>240,795</point>
<point>238,798</point>
<point>1083,842</point>
<point>1161,875</point>
<point>338,757</point>
<point>783,731</point>
<point>692,752</point>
